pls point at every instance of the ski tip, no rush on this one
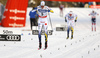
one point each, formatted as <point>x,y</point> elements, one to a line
<point>38,48</point>
<point>71,38</point>
<point>44,48</point>
<point>67,38</point>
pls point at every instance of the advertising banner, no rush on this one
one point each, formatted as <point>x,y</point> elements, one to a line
<point>15,13</point>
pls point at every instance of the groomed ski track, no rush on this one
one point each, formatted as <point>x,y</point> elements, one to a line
<point>85,44</point>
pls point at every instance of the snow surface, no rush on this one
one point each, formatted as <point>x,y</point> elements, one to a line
<point>86,44</point>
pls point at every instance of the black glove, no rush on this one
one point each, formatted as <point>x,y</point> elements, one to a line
<point>75,20</point>
<point>65,20</point>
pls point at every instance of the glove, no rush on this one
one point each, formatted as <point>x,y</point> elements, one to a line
<point>48,10</point>
<point>65,20</point>
<point>75,20</point>
<point>51,11</point>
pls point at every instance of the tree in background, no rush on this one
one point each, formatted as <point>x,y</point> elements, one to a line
<point>3,2</point>
<point>34,3</point>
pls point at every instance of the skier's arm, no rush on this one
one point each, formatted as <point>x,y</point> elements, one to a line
<point>37,13</point>
<point>65,19</point>
<point>76,19</point>
<point>89,14</point>
<point>97,14</point>
<point>50,10</point>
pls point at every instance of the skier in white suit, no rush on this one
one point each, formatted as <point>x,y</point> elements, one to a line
<point>70,18</point>
<point>42,13</point>
<point>93,19</point>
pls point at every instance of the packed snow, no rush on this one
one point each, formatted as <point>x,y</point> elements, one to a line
<point>85,44</point>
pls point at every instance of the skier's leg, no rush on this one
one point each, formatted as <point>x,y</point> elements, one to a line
<point>95,24</point>
<point>72,29</point>
<point>68,29</point>
<point>92,26</point>
<point>34,22</point>
<point>92,23</point>
<point>46,34</point>
<point>39,35</point>
<point>68,32</point>
<point>62,12</point>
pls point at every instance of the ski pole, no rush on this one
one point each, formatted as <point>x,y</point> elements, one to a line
<point>50,22</point>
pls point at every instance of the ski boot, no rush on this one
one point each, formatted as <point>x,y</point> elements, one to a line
<point>72,30</point>
<point>46,45</point>
<point>46,39</point>
<point>40,46</point>
<point>67,34</point>
<point>67,37</point>
<point>72,37</point>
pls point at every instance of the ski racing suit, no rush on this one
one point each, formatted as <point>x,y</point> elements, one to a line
<point>93,19</point>
<point>43,22</point>
<point>70,22</point>
<point>61,9</point>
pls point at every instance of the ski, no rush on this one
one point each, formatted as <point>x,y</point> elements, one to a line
<point>39,48</point>
<point>44,48</point>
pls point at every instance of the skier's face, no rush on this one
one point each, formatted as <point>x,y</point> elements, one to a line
<point>42,7</point>
<point>93,11</point>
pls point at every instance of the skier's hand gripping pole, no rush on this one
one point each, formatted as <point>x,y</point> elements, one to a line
<point>51,11</point>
